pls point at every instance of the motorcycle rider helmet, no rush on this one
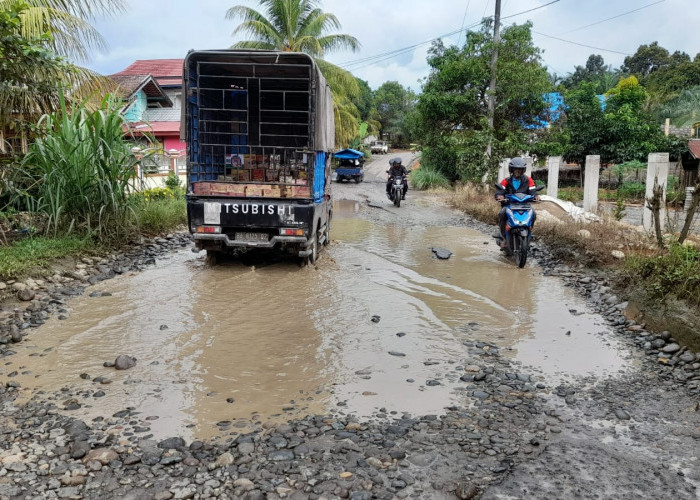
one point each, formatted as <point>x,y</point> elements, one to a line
<point>395,161</point>
<point>517,164</point>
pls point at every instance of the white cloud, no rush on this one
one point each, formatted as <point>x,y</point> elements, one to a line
<point>160,29</point>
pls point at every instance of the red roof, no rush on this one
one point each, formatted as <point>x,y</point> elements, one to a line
<point>694,146</point>
<point>167,72</point>
<point>156,128</point>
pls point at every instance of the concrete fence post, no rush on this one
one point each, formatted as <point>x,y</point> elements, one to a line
<point>590,185</point>
<point>528,166</point>
<point>503,169</point>
<point>657,169</point>
<point>553,164</point>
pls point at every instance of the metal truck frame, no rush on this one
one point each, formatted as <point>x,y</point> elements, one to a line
<point>259,129</point>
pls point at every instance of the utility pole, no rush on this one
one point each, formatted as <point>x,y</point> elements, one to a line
<point>494,60</point>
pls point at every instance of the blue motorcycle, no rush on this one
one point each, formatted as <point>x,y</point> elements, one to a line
<point>519,218</point>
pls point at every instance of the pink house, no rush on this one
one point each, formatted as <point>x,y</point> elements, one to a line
<point>152,91</point>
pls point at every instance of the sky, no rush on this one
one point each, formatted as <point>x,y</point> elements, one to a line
<point>395,35</point>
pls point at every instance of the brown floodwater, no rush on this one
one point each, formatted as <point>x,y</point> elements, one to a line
<point>237,345</point>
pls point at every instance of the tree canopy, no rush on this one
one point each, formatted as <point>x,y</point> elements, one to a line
<point>455,98</point>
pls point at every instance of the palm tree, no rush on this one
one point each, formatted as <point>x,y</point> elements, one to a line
<point>32,79</point>
<point>68,23</point>
<point>301,26</point>
<point>683,110</point>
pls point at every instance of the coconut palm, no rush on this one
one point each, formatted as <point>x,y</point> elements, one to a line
<point>683,110</point>
<point>301,26</point>
<point>68,23</point>
<point>32,78</point>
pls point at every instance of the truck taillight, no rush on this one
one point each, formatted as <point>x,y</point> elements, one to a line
<point>208,229</point>
<point>291,232</point>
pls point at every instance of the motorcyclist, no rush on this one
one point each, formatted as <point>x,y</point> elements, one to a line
<point>518,182</point>
<point>395,169</point>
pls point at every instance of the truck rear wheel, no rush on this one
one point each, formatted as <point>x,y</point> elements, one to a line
<point>212,257</point>
<point>311,259</point>
<point>327,232</point>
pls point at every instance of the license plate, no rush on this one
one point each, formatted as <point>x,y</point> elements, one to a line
<point>251,237</point>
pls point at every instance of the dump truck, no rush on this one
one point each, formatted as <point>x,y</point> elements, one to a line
<point>259,129</point>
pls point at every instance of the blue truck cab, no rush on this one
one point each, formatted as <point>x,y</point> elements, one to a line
<point>259,130</point>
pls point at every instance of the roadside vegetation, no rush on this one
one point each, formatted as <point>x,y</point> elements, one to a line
<point>77,190</point>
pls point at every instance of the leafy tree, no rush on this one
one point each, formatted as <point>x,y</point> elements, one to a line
<point>584,123</point>
<point>454,100</point>
<point>301,26</point>
<point>395,105</point>
<point>363,100</point>
<point>595,71</point>
<point>646,60</point>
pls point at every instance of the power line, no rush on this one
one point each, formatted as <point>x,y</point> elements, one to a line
<point>615,17</point>
<point>388,55</point>
<point>581,44</point>
<point>530,10</point>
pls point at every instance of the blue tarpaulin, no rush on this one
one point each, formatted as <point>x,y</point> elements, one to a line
<point>348,154</point>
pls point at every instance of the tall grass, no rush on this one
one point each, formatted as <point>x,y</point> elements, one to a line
<point>427,178</point>
<point>80,172</point>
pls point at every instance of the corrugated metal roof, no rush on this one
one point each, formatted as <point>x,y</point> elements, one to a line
<point>167,72</point>
<point>694,147</point>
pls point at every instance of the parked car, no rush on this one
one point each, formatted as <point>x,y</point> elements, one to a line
<point>379,147</point>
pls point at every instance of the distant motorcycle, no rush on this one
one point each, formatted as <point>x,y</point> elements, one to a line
<point>519,219</point>
<point>396,189</point>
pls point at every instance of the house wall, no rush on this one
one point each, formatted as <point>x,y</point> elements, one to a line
<point>175,96</point>
<point>137,108</point>
<point>174,143</point>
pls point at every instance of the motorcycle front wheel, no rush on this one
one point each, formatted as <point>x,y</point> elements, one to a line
<point>520,251</point>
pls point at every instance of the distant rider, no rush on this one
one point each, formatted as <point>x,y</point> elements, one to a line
<point>397,169</point>
<point>518,182</point>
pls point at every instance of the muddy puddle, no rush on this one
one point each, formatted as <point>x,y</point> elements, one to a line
<point>375,325</point>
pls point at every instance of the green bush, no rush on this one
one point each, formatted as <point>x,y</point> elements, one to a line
<point>632,191</point>
<point>160,210</point>
<point>572,194</point>
<point>427,178</point>
<point>172,181</point>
